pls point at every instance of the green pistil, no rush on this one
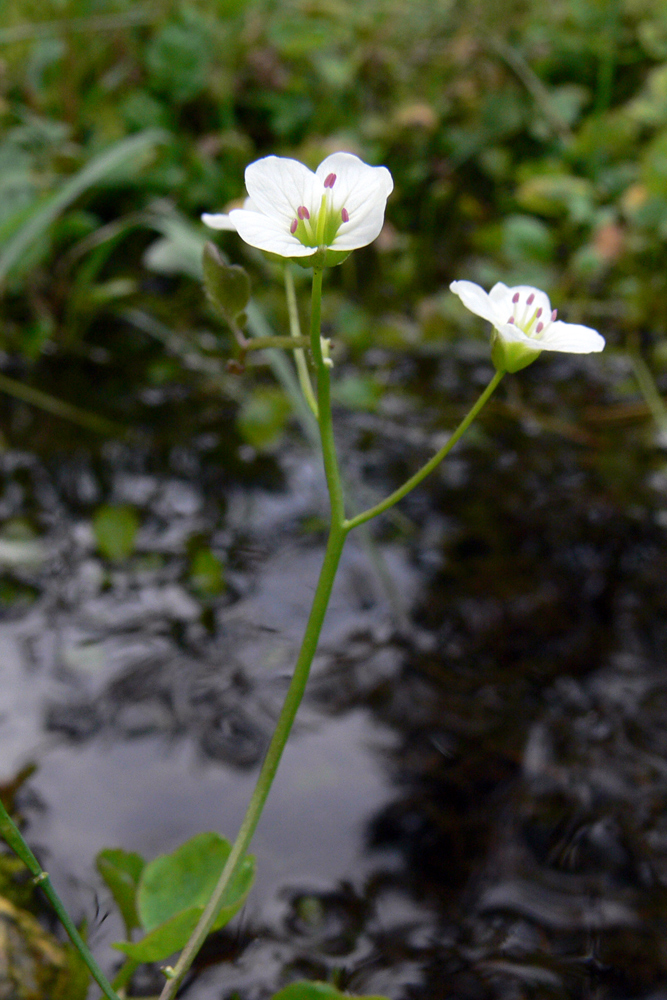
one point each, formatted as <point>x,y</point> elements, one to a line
<point>319,231</point>
<point>322,221</point>
<point>527,328</point>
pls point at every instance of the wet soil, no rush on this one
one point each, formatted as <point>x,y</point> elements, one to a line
<point>474,800</point>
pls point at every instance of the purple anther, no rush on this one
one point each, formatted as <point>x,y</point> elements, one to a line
<point>538,314</point>
<point>553,315</point>
<point>530,299</point>
<point>511,319</point>
<point>539,328</point>
<point>303,212</point>
<point>329,180</point>
<point>515,298</point>
<point>344,214</point>
<point>292,228</point>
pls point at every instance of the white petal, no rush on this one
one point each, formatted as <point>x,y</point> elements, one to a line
<point>572,337</point>
<point>364,226</point>
<point>268,234</point>
<point>540,301</point>
<point>356,182</point>
<point>501,296</point>
<point>363,191</point>
<point>475,299</point>
<point>221,221</point>
<point>513,335</point>
<point>278,186</point>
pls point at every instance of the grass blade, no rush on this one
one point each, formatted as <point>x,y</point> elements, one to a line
<point>89,175</point>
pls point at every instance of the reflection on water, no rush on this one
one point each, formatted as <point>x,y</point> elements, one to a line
<point>473,806</point>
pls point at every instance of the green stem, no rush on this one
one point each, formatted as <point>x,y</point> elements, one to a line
<point>28,394</point>
<point>295,344</point>
<point>649,389</point>
<point>124,974</point>
<point>325,418</point>
<point>335,543</point>
<point>269,767</point>
<point>338,532</point>
<point>11,834</point>
<point>425,470</point>
<point>295,330</point>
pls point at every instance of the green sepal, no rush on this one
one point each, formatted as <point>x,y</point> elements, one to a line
<point>510,355</point>
<point>227,286</point>
<point>321,258</point>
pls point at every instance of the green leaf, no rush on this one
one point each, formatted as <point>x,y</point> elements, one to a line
<point>74,980</point>
<point>115,531</point>
<point>557,194</point>
<point>174,889</point>
<point>179,251</point>
<point>358,392</point>
<point>121,870</point>
<point>206,573</point>
<point>262,417</point>
<point>169,937</point>
<point>525,238</point>
<point>178,59</point>
<point>306,989</point>
<point>227,285</point>
<point>187,877</point>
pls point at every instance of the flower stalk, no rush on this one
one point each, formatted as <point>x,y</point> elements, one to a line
<point>299,354</point>
<point>339,529</point>
<point>316,219</point>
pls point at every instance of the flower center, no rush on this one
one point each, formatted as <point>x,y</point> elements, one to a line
<point>319,227</point>
<point>529,320</point>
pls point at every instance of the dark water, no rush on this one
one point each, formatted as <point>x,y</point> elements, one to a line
<point>474,801</point>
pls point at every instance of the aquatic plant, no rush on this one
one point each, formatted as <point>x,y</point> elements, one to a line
<point>179,898</point>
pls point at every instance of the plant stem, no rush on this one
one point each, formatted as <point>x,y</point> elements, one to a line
<point>28,394</point>
<point>339,528</point>
<point>295,330</point>
<point>649,389</point>
<point>335,543</point>
<point>413,481</point>
<point>288,343</point>
<point>11,834</point>
<point>325,419</point>
<point>338,531</point>
<point>124,974</point>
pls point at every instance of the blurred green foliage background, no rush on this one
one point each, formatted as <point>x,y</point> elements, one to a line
<point>528,142</point>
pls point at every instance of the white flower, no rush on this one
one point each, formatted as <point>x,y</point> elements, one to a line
<point>314,218</point>
<point>524,324</point>
<point>223,220</point>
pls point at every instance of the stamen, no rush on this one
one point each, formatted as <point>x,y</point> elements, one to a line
<point>539,328</point>
<point>515,298</point>
<point>329,180</point>
<point>511,319</point>
<point>553,315</point>
<point>530,299</point>
<point>344,215</point>
<point>303,212</point>
<point>292,228</point>
<point>538,314</point>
